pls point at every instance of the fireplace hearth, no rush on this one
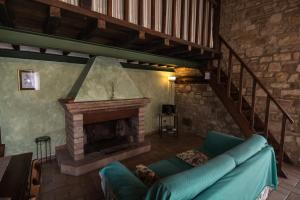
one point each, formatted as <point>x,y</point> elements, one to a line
<point>99,132</point>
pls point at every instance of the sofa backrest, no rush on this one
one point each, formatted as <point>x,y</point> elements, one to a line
<point>190,183</point>
<point>217,143</point>
<point>247,149</point>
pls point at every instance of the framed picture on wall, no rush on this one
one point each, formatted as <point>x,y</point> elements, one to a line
<point>28,80</point>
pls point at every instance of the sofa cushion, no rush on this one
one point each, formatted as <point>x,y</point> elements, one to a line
<point>190,183</point>
<point>247,149</point>
<point>171,166</point>
<point>217,143</point>
<point>124,184</point>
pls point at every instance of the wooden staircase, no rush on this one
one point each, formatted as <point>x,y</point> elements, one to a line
<point>242,111</point>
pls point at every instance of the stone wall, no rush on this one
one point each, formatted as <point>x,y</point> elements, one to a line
<point>200,109</point>
<point>266,35</point>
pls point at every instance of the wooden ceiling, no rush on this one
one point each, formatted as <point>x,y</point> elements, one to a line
<point>54,17</point>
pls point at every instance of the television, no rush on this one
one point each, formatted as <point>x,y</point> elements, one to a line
<point>168,109</point>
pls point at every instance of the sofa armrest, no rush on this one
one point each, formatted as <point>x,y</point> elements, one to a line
<point>118,182</point>
<point>217,143</point>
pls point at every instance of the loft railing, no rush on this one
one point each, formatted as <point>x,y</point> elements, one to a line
<point>195,21</point>
<point>255,82</point>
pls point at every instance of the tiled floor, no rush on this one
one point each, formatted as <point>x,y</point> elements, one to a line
<point>57,186</point>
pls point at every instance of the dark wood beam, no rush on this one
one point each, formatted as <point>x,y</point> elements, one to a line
<point>41,56</point>
<point>53,21</point>
<point>92,28</point>
<point>179,50</point>
<point>87,4</point>
<point>5,19</point>
<point>155,45</point>
<point>140,36</point>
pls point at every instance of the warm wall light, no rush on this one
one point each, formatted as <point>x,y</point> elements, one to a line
<point>172,78</point>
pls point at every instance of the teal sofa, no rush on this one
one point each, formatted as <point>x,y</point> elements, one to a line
<point>239,170</point>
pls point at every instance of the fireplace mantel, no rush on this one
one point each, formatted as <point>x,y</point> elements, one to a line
<point>80,107</point>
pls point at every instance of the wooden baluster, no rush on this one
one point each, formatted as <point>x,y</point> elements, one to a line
<point>241,89</point>
<point>197,21</point>
<point>109,8</point>
<point>182,19</point>
<point>216,24</point>
<point>229,74</point>
<point>126,10</point>
<point>153,14</point>
<point>174,17</point>
<point>190,13</point>
<point>219,65</point>
<point>209,25</point>
<point>87,4</point>
<point>141,12</point>
<point>282,139</point>
<point>164,16</point>
<point>203,23</point>
<point>252,118</point>
<point>266,131</point>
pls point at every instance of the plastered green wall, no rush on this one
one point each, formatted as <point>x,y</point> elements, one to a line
<point>25,115</point>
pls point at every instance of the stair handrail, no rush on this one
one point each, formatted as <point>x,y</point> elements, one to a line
<point>257,80</point>
<point>270,98</point>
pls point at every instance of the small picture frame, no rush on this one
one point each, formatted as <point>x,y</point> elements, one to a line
<point>28,80</point>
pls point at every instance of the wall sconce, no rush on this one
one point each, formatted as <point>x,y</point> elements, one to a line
<point>172,78</point>
<point>29,80</point>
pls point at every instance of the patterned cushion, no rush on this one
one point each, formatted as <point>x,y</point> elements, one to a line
<point>146,175</point>
<point>193,157</point>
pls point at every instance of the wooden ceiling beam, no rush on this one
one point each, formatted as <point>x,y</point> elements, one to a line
<point>156,45</point>
<point>92,29</point>
<point>140,36</point>
<point>54,20</point>
<point>180,50</point>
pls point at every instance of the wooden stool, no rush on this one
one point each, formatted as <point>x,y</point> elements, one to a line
<point>46,142</point>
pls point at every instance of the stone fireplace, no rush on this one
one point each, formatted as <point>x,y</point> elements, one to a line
<point>104,118</point>
<point>99,132</point>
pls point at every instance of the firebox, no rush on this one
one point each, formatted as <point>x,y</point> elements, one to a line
<point>110,131</point>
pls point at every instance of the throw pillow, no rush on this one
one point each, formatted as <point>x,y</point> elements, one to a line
<point>146,175</point>
<point>193,157</point>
